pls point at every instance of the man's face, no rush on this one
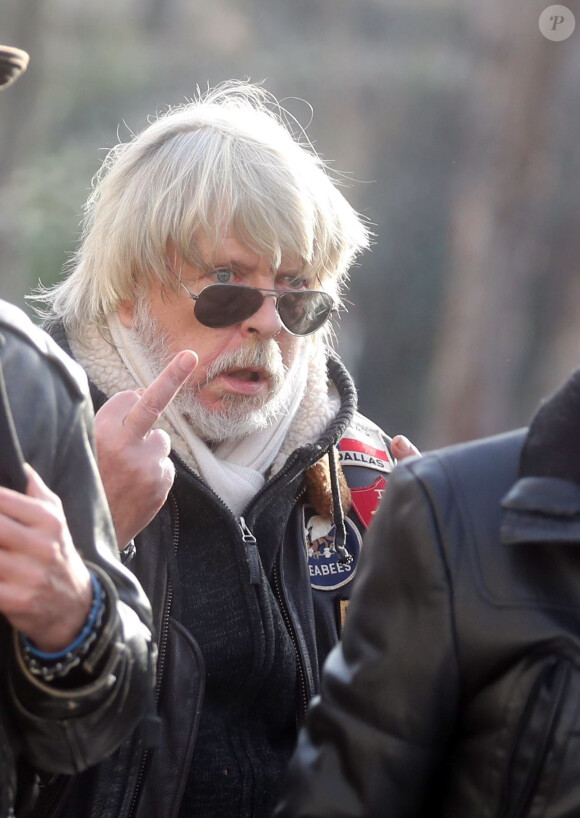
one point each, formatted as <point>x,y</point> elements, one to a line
<point>242,369</point>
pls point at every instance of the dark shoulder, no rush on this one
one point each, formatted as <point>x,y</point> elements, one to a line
<point>29,343</point>
<point>476,473</point>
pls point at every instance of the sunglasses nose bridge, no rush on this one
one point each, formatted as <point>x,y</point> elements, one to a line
<point>265,319</point>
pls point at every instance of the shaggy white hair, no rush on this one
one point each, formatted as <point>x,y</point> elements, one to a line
<point>224,163</point>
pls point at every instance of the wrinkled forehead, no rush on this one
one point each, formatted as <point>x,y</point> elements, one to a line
<point>208,250</point>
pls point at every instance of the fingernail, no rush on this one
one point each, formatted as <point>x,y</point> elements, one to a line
<point>187,360</point>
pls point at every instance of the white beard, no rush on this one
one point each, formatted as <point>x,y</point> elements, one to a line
<point>238,415</point>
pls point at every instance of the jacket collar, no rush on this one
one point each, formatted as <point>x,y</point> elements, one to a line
<point>544,504</point>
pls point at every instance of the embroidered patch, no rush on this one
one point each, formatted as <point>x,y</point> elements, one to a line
<point>366,499</point>
<point>353,452</point>
<point>327,573</point>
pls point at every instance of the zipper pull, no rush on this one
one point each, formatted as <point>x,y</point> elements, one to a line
<point>252,552</point>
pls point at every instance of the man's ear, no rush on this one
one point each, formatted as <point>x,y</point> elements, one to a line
<point>125,312</point>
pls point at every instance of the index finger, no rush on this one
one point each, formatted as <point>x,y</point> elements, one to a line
<point>144,414</point>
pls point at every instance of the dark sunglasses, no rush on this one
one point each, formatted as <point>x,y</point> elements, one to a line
<point>222,305</point>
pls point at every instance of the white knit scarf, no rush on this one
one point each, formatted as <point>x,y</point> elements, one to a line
<point>235,469</point>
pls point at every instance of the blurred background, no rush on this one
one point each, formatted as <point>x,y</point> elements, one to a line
<point>455,125</point>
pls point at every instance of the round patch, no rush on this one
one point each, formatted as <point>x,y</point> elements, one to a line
<point>327,572</point>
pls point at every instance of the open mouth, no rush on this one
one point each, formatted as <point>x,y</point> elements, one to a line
<point>247,380</point>
<point>244,374</point>
<point>251,374</point>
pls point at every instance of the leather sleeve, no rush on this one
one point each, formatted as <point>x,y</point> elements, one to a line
<point>66,730</point>
<point>375,738</point>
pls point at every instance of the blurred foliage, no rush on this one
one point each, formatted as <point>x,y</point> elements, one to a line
<point>389,83</point>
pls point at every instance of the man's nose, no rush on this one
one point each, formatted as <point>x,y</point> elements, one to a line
<point>266,321</point>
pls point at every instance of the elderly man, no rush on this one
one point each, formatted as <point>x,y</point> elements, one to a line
<point>77,667</point>
<point>215,230</point>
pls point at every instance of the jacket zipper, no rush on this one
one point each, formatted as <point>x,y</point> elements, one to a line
<point>163,638</point>
<point>250,544</point>
<point>303,692</point>
<point>558,678</point>
<point>253,557</point>
<point>57,783</point>
<point>252,553</point>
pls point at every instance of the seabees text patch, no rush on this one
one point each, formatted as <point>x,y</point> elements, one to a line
<point>327,572</point>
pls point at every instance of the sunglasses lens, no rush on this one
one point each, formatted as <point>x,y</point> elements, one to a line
<point>223,305</point>
<point>304,311</point>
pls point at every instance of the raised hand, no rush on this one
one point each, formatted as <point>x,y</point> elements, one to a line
<point>133,456</point>
<point>45,587</point>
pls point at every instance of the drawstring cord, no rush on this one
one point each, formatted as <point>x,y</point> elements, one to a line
<point>344,556</point>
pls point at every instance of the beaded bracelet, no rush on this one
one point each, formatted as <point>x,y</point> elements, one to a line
<point>49,666</point>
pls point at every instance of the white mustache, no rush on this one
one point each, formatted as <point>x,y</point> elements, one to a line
<point>264,355</point>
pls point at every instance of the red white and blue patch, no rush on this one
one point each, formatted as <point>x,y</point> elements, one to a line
<point>366,467</point>
<point>327,572</point>
<point>352,452</point>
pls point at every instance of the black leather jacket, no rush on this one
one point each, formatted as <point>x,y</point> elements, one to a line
<point>55,728</point>
<point>243,580</point>
<point>456,691</point>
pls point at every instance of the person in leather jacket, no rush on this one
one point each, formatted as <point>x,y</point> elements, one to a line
<point>456,689</point>
<point>214,230</point>
<point>75,626</point>
<point>77,666</point>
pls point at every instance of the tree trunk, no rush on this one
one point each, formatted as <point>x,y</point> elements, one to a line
<point>496,222</point>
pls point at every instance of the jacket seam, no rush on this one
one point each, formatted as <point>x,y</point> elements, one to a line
<point>439,544</point>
